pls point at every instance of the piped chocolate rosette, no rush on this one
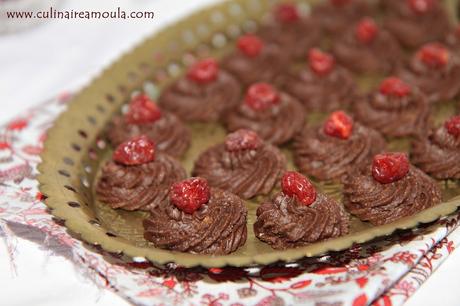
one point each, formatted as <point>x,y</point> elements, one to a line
<point>299,215</point>
<point>438,154</point>
<point>137,177</point>
<point>255,60</point>
<point>144,117</point>
<point>336,15</point>
<point>274,115</point>
<point>395,110</point>
<point>198,219</point>
<point>389,189</point>
<point>204,94</point>
<point>352,143</point>
<point>435,70</point>
<point>415,22</point>
<point>294,33</point>
<point>322,85</point>
<point>244,165</point>
<point>367,48</point>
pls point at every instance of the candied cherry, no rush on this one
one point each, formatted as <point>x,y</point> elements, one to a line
<point>250,45</point>
<point>367,30</point>
<point>390,167</point>
<point>320,62</point>
<point>395,87</point>
<point>421,6</point>
<point>204,71</point>
<point>136,151</point>
<point>295,185</point>
<point>261,96</point>
<point>142,110</point>
<point>287,13</point>
<point>339,125</point>
<point>242,139</point>
<point>190,194</point>
<point>434,55</point>
<point>453,126</point>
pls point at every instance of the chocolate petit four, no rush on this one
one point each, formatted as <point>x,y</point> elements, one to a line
<point>415,22</point>
<point>204,94</point>
<point>322,85</point>
<point>255,60</point>
<point>144,117</point>
<point>137,177</point>
<point>274,115</point>
<point>389,189</point>
<point>352,144</point>
<point>395,110</point>
<point>435,70</point>
<point>438,154</point>
<point>299,215</point>
<point>367,48</point>
<point>294,33</point>
<point>198,219</point>
<point>244,165</point>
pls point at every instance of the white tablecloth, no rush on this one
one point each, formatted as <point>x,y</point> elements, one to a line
<point>62,55</point>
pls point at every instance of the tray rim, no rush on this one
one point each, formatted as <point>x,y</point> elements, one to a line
<point>112,76</point>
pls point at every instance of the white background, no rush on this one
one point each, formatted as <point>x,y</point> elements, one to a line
<point>38,63</point>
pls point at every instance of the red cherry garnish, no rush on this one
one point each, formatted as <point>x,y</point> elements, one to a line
<point>433,55</point>
<point>261,96</point>
<point>395,87</point>
<point>390,167</point>
<point>190,194</point>
<point>136,151</point>
<point>366,30</point>
<point>339,125</point>
<point>242,139</point>
<point>204,71</point>
<point>320,62</point>
<point>421,6</point>
<point>287,13</point>
<point>339,3</point>
<point>142,110</point>
<point>250,45</point>
<point>295,185</point>
<point>453,126</point>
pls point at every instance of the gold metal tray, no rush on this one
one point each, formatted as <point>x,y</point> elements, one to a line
<point>75,149</point>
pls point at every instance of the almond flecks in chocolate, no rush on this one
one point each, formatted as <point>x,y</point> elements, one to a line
<point>136,151</point>
<point>390,167</point>
<point>190,194</point>
<point>295,185</point>
<point>339,125</point>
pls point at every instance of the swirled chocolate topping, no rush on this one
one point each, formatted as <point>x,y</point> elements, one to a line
<point>294,33</point>
<point>202,96</point>
<point>275,116</point>
<point>320,93</point>
<point>452,39</point>
<point>438,154</point>
<point>380,203</point>
<point>255,61</point>
<point>142,186</point>
<point>367,48</point>
<point>170,134</point>
<point>414,24</point>
<point>435,70</point>
<point>328,157</point>
<point>285,223</point>
<point>217,227</point>
<point>246,170</point>
<point>394,112</point>
<point>336,15</point>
